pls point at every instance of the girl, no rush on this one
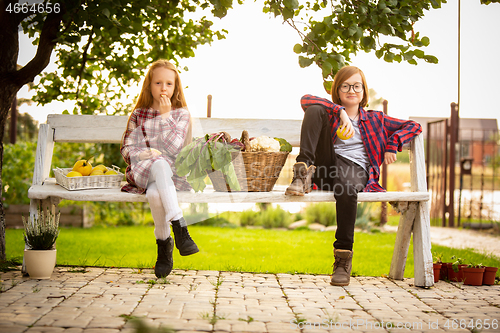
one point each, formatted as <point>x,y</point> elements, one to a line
<point>158,128</point>
<point>349,166</point>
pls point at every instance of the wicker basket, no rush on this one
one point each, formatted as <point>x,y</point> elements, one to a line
<point>255,171</point>
<point>88,182</point>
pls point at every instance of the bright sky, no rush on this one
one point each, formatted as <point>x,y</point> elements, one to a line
<point>254,73</point>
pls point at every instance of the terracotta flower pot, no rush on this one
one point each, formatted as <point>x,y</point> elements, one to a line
<point>444,270</point>
<point>40,263</point>
<point>473,276</point>
<point>437,272</point>
<point>456,276</point>
<point>489,275</point>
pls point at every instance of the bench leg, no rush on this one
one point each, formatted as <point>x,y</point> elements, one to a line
<point>403,237</point>
<point>422,255</point>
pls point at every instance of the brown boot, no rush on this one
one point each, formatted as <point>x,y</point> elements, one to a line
<point>341,268</point>
<point>301,182</point>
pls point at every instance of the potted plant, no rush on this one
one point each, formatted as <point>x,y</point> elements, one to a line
<point>437,264</point>
<point>489,275</point>
<point>455,270</point>
<point>444,270</point>
<point>40,234</point>
<point>473,274</point>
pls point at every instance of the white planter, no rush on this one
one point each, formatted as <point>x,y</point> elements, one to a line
<point>40,263</point>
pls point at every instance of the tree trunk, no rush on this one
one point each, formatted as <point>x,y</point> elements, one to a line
<point>12,79</point>
<point>6,97</point>
<point>13,121</point>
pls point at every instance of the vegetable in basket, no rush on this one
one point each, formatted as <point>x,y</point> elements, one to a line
<point>213,152</point>
<point>210,152</point>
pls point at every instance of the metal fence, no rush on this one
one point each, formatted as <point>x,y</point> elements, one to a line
<point>462,173</point>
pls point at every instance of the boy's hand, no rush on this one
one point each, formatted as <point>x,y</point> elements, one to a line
<point>345,122</point>
<point>390,158</point>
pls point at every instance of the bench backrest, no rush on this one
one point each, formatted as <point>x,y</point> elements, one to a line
<point>109,129</point>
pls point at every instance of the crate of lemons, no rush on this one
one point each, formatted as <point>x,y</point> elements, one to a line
<point>84,176</point>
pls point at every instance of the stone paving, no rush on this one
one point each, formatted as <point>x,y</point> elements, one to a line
<point>108,300</point>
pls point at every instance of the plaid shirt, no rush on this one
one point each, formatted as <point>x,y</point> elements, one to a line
<point>146,129</point>
<point>379,132</point>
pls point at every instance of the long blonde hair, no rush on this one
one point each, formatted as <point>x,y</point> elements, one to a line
<point>178,100</point>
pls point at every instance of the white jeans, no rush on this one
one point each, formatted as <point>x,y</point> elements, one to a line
<point>162,198</point>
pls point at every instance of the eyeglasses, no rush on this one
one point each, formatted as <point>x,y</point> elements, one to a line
<point>357,87</point>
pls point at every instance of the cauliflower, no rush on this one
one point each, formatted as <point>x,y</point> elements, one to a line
<point>264,143</point>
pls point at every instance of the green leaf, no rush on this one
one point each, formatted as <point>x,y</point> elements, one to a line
<point>291,4</point>
<point>425,41</point>
<point>106,12</point>
<point>386,30</point>
<point>326,69</point>
<point>304,62</point>
<point>287,13</point>
<point>352,29</point>
<point>368,42</point>
<point>431,59</point>
<point>297,48</point>
<point>328,86</point>
<point>389,56</point>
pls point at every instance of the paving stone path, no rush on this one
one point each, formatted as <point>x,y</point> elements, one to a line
<point>104,300</point>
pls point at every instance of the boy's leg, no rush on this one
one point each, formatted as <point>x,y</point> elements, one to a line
<point>351,179</point>
<point>315,149</point>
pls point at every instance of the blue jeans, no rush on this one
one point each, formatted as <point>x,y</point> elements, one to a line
<point>333,172</point>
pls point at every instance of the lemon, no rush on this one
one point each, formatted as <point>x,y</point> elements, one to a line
<point>343,134</point>
<point>74,174</point>
<point>110,172</point>
<point>83,166</point>
<point>97,172</point>
<point>101,167</point>
<point>156,151</point>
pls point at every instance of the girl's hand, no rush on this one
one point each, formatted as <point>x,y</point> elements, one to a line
<point>390,158</point>
<point>146,155</point>
<point>345,122</point>
<point>165,106</point>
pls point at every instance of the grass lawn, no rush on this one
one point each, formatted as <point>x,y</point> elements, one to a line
<point>229,249</point>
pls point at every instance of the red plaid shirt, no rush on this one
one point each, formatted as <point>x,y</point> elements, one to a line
<point>147,129</point>
<point>379,132</point>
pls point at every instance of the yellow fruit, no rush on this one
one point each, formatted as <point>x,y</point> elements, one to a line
<point>101,167</point>
<point>97,172</point>
<point>156,151</point>
<point>343,134</point>
<point>83,166</point>
<point>74,174</point>
<point>110,172</point>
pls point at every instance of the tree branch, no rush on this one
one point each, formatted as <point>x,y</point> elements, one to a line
<point>46,45</point>
<point>84,60</point>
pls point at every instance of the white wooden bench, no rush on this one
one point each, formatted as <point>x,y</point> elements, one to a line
<point>414,205</point>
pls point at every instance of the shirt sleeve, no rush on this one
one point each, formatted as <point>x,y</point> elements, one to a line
<point>400,132</point>
<point>130,150</point>
<point>332,108</point>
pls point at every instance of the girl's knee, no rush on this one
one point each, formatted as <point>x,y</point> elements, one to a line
<point>152,193</point>
<point>163,167</point>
